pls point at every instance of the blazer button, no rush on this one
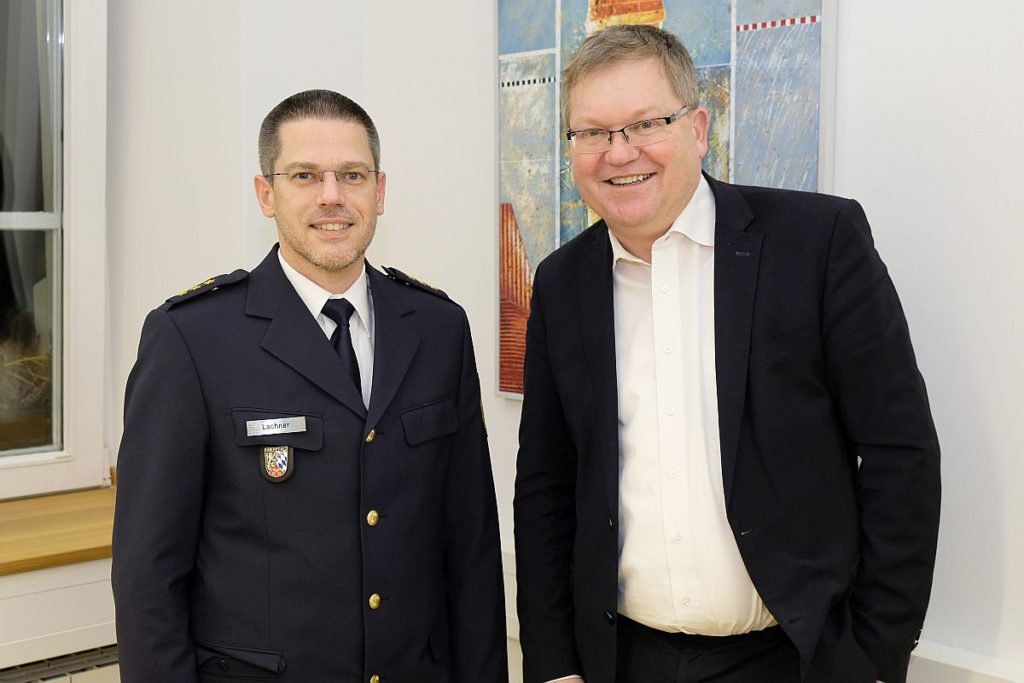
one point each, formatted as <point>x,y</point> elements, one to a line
<point>374,678</point>
<point>371,436</point>
<point>222,664</point>
<point>372,517</point>
<point>375,601</point>
<point>609,617</point>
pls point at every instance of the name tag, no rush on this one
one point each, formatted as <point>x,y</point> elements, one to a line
<point>275,425</point>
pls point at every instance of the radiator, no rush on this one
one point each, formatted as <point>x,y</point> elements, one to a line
<point>68,665</point>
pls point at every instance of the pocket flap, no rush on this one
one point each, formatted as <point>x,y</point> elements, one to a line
<point>267,660</point>
<point>776,349</point>
<point>308,436</point>
<point>431,421</point>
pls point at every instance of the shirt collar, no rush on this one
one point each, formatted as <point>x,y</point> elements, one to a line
<point>315,296</point>
<point>696,222</point>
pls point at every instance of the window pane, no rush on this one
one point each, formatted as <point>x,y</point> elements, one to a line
<point>29,341</point>
<point>28,95</point>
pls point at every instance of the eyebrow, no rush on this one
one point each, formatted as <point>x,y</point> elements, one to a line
<point>638,117</point>
<point>345,166</point>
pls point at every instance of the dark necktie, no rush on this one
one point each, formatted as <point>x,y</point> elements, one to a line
<point>340,310</point>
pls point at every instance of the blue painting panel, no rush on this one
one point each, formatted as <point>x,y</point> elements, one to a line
<point>714,85</point>
<point>573,25</point>
<point>703,26</point>
<point>754,11</point>
<point>573,212</point>
<point>526,25</point>
<point>528,153</point>
<point>778,73</point>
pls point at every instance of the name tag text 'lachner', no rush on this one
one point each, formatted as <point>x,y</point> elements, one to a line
<point>275,425</point>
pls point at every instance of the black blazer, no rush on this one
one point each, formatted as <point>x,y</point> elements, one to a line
<point>221,574</point>
<point>829,457</point>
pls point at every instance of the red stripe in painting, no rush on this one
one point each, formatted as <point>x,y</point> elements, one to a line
<point>792,21</point>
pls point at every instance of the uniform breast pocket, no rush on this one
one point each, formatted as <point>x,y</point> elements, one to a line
<point>260,427</point>
<point>428,422</point>
<point>274,437</point>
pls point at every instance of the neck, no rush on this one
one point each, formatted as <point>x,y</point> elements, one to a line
<point>637,246</point>
<point>338,282</point>
<point>333,281</point>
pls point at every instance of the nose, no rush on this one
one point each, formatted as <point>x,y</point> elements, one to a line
<point>621,152</point>
<point>330,191</point>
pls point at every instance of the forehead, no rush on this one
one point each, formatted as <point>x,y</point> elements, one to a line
<point>323,141</point>
<point>629,88</point>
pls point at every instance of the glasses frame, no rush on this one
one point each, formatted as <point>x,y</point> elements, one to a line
<point>570,134</point>
<point>321,173</point>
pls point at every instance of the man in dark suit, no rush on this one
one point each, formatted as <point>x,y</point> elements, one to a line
<point>727,467</point>
<point>305,490</point>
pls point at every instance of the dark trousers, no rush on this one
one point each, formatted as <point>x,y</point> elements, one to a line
<point>646,655</point>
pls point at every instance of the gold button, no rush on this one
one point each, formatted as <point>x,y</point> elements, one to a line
<point>374,601</point>
<point>372,517</point>
<point>371,436</point>
<point>374,678</point>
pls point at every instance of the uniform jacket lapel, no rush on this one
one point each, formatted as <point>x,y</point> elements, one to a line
<point>737,256</point>
<point>597,326</point>
<point>395,342</point>
<point>293,335</point>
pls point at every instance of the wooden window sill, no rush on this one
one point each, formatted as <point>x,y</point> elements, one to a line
<point>50,531</point>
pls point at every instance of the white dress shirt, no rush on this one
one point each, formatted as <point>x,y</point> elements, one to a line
<point>360,324</point>
<point>679,567</point>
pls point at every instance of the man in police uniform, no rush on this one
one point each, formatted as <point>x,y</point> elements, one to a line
<point>305,490</point>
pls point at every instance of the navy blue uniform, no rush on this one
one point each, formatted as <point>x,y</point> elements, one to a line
<point>376,555</point>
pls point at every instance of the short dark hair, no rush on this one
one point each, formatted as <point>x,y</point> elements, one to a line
<point>631,41</point>
<point>312,104</point>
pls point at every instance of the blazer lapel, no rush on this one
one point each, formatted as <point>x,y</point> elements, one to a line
<point>293,335</point>
<point>737,256</point>
<point>597,329</point>
<point>395,343</point>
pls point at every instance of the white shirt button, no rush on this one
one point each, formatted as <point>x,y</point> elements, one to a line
<point>672,474</point>
<point>667,349</point>
<point>677,538</point>
<point>684,601</point>
<point>663,288</point>
<point>670,410</point>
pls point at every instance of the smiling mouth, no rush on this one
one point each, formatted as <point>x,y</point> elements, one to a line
<point>630,179</point>
<point>331,227</point>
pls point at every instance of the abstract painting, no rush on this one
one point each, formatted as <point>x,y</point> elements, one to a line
<point>760,73</point>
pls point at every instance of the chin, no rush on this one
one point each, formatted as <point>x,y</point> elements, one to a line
<point>630,216</point>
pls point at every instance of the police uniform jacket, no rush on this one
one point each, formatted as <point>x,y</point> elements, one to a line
<point>374,557</point>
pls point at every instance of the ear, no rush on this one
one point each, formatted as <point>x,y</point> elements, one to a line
<point>382,181</point>
<point>700,122</point>
<point>264,195</point>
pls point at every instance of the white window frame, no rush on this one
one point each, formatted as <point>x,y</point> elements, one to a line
<point>82,461</point>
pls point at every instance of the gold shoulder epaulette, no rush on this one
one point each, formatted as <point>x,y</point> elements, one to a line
<point>208,286</point>
<point>409,281</point>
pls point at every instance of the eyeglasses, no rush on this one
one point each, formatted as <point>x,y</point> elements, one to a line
<point>646,132</point>
<point>305,178</point>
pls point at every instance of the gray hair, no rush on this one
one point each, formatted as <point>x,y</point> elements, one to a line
<point>634,41</point>
<point>312,104</point>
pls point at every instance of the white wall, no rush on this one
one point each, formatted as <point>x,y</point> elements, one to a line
<point>928,138</point>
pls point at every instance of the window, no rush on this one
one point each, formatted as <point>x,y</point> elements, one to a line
<point>52,245</point>
<point>30,225</point>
